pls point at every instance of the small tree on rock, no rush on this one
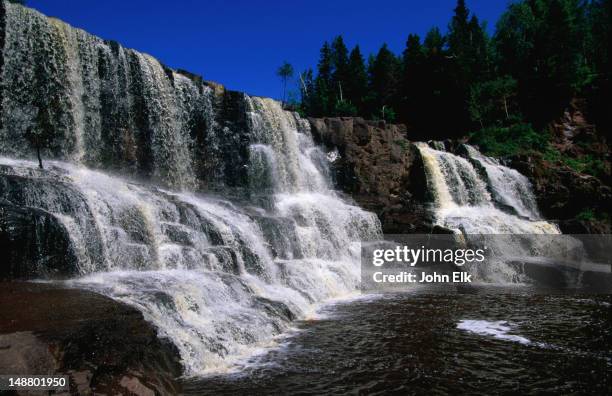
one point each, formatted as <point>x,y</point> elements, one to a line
<point>40,135</point>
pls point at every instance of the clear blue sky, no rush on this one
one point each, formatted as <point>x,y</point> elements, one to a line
<point>241,43</point>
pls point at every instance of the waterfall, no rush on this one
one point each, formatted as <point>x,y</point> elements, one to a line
<point>208,210</point>
<point>480,198</point>
<point>217,277</point>
<point>508,186</point>
<point>497,200</point>
<point>96,103</point>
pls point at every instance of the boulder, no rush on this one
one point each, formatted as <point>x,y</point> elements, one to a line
<point>34,244</point>
<point>103,346</point>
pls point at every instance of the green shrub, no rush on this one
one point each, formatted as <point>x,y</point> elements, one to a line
<point>522,139</point>
<point>587,214</point>
<point>506,141</point>
<point>586,164</point>
<point>402,143</point>
<point>344,108</point>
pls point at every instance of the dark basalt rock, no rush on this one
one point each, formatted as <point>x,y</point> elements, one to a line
<point>104,346</point>
<point>34,244</point>
<point>235,139</point>
<point>227,258</point>
<point>380,169</point>
<point>562,193</point>
<point>281,236</point>
<point>275,308</point>
<point>36,241</point>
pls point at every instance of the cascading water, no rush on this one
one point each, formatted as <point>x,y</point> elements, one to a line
<point>218,276</point>
<point>96,103</point>
<point>134,145</point>
<point>495,200</point>
<point>468,201</point>
<point>508,187</point>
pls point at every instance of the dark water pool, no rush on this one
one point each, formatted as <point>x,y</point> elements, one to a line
<point>479,341</point>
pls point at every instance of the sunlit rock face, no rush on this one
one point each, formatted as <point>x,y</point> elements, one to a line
<point>375,163</point>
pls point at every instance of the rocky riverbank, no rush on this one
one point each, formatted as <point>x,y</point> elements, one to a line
<point>104,346</point>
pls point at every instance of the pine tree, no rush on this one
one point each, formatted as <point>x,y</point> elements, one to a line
<point>597,49</point>
<point>468,55</point>
<point>413,53</point>
<point>479,56</point>
<point>412,80</point>
<point>438,90</point>
<point>434,42</point>
<point>543,52</point>
<point>357,81</point>
<point>322,100</point>
<point>325,65</point>
<point>285,72</point>
<point>458,31</point>
<point>384,81</point>
<point>340,68</point>
<point>540,43</point>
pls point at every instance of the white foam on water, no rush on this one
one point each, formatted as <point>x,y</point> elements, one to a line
<point>499,329</point>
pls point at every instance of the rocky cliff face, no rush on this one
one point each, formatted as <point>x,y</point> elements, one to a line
<point>580,201</point>
<point>375,164</point>
<point>568,196</point>
<point>378,166</point>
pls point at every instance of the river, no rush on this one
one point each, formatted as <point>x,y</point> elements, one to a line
<point>479,340</point>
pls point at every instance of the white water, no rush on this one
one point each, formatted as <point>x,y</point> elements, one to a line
<point>499,329</point>
<point>496,201</point>
<point>462,200</point>
<point>218,278</point>
<point>508,186</point>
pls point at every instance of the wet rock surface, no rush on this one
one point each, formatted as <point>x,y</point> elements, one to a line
<point>104,346</point>
<point>34,244</point>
